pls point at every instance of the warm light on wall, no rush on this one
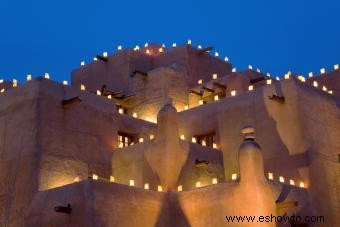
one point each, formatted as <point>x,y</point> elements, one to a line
<point>214,76</point>
<point>193,140</point>
<point>234,176</point>
<point>82,87</point>
<point>323,71</point>
<point>302,185</point>
<point>94,176</point>
<point>200,102</point>
<point>82,63</point>
<point>186,107</point>
<point>233,93</point>
<point>269,82</point>
<point>324,88</point>
<point>179,188</point>
<point>47,76</point>
<point>182,137</point>
<point>174,45</point>
<point>200,81</point>
<point>310,74</point>
<point>132,183</point>
<point>281,179</point>
<point>99,92</point>
<point>76,179</point>
<point>159,188</point>
<point>152,136</point>
<point>214,181</point>
<point>214,145</point>
<point>291,182</point>
<point>216,97</point>
<point>336,67</point>
<point>112,179</point>
<point>105,54</point>
<point>134,115</point>
<point>315,83</point>
<point>146,186</point>
<point>198,184</point>
<point>29,77</point>
<point>65,82</point>
<point>250,88</point>
<point>141,140</point>
<point>270,176</point>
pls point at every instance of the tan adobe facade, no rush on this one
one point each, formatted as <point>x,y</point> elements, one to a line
<point>152,137</point>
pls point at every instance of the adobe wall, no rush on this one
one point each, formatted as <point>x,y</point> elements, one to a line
<point>98,203</point>
<point>19,151</point>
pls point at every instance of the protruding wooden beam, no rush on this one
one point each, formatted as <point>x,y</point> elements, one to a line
<point>196,93</point>
<point>277,98</point>
<point>219,85</point>
<point>205,50</point>
<point>139,73</point>
<point>208,89</point>
<point>68,103</point>
<point>63,209</point>
<point>101,58</point>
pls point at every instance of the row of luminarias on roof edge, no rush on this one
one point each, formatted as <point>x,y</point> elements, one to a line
<point>147,51</point>
<point>198,184</point>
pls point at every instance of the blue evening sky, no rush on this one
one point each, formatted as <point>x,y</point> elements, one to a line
<point>276,36</point>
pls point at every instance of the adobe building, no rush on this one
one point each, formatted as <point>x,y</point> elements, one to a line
<point>169,137</point>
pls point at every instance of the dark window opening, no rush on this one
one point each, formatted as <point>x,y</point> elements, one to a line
<point>124,139</point>
<point>207,139</point>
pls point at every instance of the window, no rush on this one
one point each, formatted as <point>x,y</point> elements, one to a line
<point>124,139</point>
<point>207,139</point>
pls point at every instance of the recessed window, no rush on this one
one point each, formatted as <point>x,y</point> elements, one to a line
<point>124,139</point>
<point>207,139</point>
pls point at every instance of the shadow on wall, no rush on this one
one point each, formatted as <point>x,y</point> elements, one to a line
<point>171,213</point>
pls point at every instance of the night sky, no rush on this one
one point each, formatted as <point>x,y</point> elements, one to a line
<point>275,36</point>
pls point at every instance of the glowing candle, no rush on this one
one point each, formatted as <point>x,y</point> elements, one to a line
<point>112,179</point>
<point>214,181</point>
<point>65,82</point>
<point>216,54</point>
<point>200,102</point>
<point>152,136</point>
<point>141,140</point>
<point>216,97</point>
<point>29,77</point>
<point>198,184</point>
<point>214,76</point>
<point>99,92</point>
<point>120,47</point>
<point>134,115</point>
<point>233,93</point>
<point>193,140</point>
<point>250,88</point>
<point>95,177</point>
<point>250,67</point>
<point>323,70</point>
<point>132,183</point>
<point>174,45</point>
<point>336,67</point>
<point>233,70</point>
<point>310,74</point>
<point>270,176</point>
<point>47,76</point>
<point>315,83</point>
<point>269,82</point>
<point>82,63</point>
<point>182,137</point>
<point>146,186</point>
<point>226,59</point>
<point>200,81</point>
<point>214,145</point>
<point>291,182</point>
<point>302,185</point>
<point>104,54</point>
<point>82,87</point>
<point>234,176</point>
<point>186,107</point>
<point>189,42</point>
<point>159,188</point>
<point>179,188</point>
<point>121,110</point>
<point>281,179</point>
